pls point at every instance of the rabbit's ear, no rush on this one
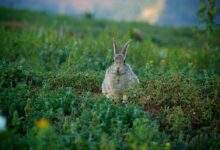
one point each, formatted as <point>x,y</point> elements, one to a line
<point>115,46</point>
<point>125,48</point>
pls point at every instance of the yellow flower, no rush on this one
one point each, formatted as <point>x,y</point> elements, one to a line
<point>151,62</point>
<point>42,123</point>
<point>162,60</point>
<point>167,144</point>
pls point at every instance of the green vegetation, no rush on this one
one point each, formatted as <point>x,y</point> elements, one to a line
<point>52,67</point>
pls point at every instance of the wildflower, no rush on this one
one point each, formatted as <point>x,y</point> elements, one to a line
<point>2,123</point>
<point>167,144</point>
<point>151,62</point>
<point>162,60</point>
<point>42,123</point>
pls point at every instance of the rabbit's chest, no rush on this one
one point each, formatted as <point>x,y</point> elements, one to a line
<point>119,82</point>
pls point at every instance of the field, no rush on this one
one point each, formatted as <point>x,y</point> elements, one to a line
<point>52,67</point>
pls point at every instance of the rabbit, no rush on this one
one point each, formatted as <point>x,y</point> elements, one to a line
<point>119,76</point>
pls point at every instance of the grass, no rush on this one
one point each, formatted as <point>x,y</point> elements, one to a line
<point>52,67</point>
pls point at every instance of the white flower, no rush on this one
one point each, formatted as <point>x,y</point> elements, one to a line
<point>2,123</point>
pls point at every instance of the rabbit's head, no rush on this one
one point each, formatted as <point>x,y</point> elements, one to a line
<point>119,65</point>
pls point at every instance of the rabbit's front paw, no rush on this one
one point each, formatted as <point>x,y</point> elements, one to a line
<point>125,99</point>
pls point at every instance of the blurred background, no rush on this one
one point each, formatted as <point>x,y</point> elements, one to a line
<point>176,13</point>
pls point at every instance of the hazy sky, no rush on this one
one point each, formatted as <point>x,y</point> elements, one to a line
<point>166,12</point>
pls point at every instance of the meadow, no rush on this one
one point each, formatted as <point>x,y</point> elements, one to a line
<point>52,67</point>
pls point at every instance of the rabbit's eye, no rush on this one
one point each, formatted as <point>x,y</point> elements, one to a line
<point>124,61</point>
